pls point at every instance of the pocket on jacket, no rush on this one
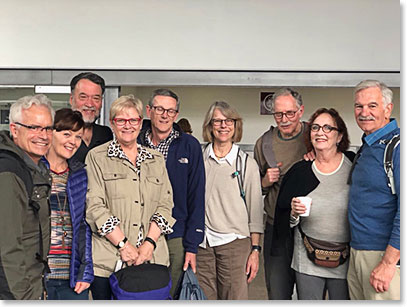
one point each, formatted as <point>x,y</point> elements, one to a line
<point>114,176</point>
<point>116,184</point>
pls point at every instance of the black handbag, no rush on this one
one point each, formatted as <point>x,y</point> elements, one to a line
<point>323,253</point>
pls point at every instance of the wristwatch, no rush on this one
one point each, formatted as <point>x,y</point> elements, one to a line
<point>121,243</point>
<point>256,248</point>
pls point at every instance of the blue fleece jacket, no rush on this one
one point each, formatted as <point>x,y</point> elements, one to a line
<point>374,212</point>
<point>186,171</point>
<point>81,268</point>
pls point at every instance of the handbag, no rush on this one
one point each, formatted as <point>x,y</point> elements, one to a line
<point>146,281</point>
<point>188,287</point>
<point>323,253</point>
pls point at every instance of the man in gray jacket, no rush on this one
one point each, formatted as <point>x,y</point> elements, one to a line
<point>24,188</point>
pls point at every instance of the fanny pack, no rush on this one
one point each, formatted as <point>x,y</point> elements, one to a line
<point>323,253</point>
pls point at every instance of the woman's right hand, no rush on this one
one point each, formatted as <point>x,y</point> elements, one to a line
<point>129,253</point>
<point>297,207</point>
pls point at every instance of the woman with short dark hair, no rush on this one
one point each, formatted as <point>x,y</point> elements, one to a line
<point>70,255</point>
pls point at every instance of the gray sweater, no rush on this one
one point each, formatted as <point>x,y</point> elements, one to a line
<point>225,210</point>
<point>328,220</point>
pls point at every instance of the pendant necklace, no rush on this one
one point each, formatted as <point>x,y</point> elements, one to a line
<point>62,219</point>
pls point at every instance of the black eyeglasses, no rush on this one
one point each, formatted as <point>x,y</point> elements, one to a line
<point>132,121</point>
<point>288,114</point>
<point>325,128</point>
<point>227,121</point>
<point>37,129</point>
<point>161,111</point>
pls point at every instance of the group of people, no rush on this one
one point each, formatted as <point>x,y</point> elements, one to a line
<point>80,199</point>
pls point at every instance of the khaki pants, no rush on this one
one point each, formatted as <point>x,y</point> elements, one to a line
<point>221,270</point>
<point>361,264</point>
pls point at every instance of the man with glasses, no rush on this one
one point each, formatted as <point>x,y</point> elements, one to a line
<point>25,186</point>
<point>374,202</point>
<point>275,152</point>
<point>87,91</point>
<point>185,167</point>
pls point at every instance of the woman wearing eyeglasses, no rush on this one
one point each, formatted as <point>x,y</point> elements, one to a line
<point>70,254</point>
<point>129,200</point>
<point>228,258</point>
<point>325,182</point>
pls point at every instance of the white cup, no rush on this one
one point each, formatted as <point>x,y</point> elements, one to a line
<point>305,200</point>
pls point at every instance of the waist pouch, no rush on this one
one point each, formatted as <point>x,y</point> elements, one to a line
<point>142,282</point>
<point>323,253</point>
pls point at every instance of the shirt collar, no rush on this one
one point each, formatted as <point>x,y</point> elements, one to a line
<point>380,133</point>
<point>115,150</point>
<point>229,158</point>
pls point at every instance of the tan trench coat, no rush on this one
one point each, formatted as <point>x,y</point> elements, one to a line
<point>114,189</point>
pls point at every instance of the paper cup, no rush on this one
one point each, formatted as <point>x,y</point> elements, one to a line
<point>305,200</point>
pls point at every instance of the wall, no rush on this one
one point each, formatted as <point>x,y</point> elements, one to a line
<point>256,35</point>
<point>195,102</point>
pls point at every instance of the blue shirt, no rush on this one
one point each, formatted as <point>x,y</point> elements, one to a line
<point>374,212</point>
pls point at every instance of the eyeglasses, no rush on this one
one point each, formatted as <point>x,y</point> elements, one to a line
<point>288,114</point>
<point>161,111</point>
<point>219,122</point>
<point>122,121</point>
<point>37,129</point>
<point>325,128</point>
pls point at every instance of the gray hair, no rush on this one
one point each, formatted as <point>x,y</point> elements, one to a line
<point>163,92</point>
<point>286,91</point>
<point>387,94</point>
<point>26,102</point>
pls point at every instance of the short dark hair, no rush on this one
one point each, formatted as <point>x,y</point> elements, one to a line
<point>68,119</point>
<point>185,126</point>
<point>91,77</point>
<point>163,92</point>
<point>344,143</point>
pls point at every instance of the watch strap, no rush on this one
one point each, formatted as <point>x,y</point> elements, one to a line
<point>148,239</point>
<point>121,243</point>
<point>256,248</point>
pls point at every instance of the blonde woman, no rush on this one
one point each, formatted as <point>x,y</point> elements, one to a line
<point>129,201</point>
<point>228,258</point>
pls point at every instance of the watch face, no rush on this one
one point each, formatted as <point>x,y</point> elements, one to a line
<point>121,244</point>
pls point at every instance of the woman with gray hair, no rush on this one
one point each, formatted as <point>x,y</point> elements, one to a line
<point>129,199</point>
<point>228,258</point>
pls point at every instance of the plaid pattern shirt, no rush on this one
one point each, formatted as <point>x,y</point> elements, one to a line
<point>164,145</point>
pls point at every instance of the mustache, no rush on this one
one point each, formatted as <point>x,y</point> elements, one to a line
<point>366,117</point>
<point>285,124</point>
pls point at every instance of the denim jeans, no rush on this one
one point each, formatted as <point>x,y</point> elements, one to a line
<point>59,289</point>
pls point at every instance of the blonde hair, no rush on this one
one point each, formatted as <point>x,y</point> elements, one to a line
<point>125,102</point>
<point>229,112</point>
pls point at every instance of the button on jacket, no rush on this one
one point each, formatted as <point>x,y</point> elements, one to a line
<point>115,189</point>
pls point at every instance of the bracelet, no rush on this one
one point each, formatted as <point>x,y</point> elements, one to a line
<point>148,239</point>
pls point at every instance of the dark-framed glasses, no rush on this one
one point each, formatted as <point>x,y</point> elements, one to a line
<point>37,129</point>
<point>218,122</point>
<point>325,128</point>
<point>161,111</point>
<point>288,114</point>
<point>122,121</point>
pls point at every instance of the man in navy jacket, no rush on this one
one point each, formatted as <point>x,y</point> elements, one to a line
<point>185,167</point>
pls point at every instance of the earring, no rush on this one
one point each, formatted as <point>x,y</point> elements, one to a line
<point>337,144</point>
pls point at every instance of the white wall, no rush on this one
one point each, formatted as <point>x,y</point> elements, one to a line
<point>195,102</point>
<point>316,35</point>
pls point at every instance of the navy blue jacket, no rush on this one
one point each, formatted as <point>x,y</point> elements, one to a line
<point>186,171</point>
<point>81,268</point>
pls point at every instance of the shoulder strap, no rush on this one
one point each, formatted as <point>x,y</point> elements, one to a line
<point>241,164</point>
<point>16,165</point>
<point>267,148</point>
<point>388,161</point>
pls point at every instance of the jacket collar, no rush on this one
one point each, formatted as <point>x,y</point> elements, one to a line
<point>380,133</point>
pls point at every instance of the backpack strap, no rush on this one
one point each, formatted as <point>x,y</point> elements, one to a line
<point>388,161</point>
<point>241,165</point>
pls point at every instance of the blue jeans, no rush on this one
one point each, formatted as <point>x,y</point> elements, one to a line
<point>59,289</point>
